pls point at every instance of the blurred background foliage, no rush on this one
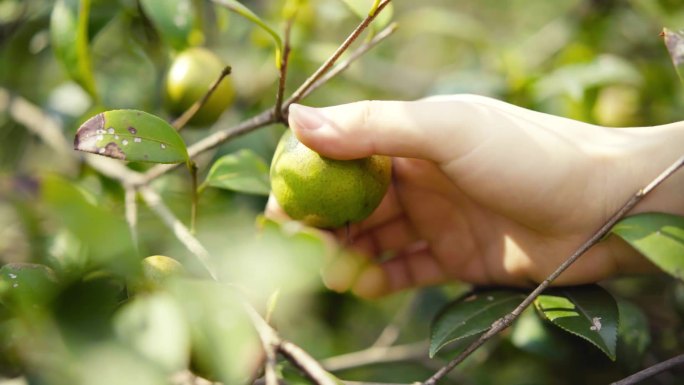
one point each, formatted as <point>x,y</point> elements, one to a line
<point>599,61</point>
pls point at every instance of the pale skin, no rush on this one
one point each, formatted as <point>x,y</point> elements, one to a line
<point>489,193</point>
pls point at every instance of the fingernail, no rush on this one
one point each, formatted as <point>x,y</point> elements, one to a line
<point>306,118</point>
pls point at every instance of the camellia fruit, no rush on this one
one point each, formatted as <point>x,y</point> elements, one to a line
<point>156,269</point>
<point>190,76</point>
<point>325,192</point>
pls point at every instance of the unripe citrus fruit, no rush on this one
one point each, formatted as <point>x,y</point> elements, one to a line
<point>189,78</point>
<point>325,192</point>
<point>156,270</point>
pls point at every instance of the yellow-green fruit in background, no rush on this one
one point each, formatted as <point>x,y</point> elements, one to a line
<point>189,78</point>
<point>158,268</point>
<point>324,192</point>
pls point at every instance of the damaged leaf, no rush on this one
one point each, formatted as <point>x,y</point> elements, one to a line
<point>674,41</point>
<point>131,135</point>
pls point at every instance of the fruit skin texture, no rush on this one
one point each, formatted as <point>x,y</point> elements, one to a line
<point>324,192</point>
<point>189,78</point>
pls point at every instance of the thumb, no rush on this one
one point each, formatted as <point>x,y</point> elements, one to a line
<point>421,129</point>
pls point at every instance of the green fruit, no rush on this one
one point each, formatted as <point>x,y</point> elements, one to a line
<point>189,78</point>
<point>159,268</point>
<point>26,285</point>
<point>324,192</point>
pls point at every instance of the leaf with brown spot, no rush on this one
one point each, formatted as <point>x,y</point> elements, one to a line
<point>674,40</point>
<point>131,135</point>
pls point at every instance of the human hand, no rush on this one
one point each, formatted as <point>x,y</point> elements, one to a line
<point>489,193</point>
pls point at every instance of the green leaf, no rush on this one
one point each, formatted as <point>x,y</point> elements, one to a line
<point>225,345</point>
<point>174,19</point>
<point>131,135</point>
<point>104,235</point>
<point>589,312</point>
<point>674,41</point>
<point>634,335</point>
<point>659,237</point>
<point>243,171</point>
<point>532,334</point>
<point>153,325</point>
<point>69,34</point>
<point>126,76</point>
<point>245,12</point>
<point>471,315</point>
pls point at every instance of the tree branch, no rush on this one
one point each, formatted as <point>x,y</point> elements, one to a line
<point>325,67</point>
<point>652,371</point>
<point>182,120</point>
<point>132,215</point>
<point>376,355</point>
<point>285,60</point>
<point>504,322</point>
<point>355,55</point>
<point>268,117</point>
<point>154,201</point>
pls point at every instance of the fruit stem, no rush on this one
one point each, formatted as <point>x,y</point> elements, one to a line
<point>195,197</point>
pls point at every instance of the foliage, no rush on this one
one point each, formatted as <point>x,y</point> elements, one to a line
<point>63,224</point>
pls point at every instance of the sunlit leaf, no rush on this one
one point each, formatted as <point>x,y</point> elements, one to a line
<point>674,40</point>
<point>174,19</point>
<point>535,335</point>
<point>131,135</point>
<point>154,326</point>
<point>471,315</point>
<point>243,171</point>
<point>589,312</point>
<point>69,33</point>
<point>659,237</point>
<point>103,234</point>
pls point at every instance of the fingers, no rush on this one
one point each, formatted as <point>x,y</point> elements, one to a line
<point>414,269</point>
<point>423,130</point>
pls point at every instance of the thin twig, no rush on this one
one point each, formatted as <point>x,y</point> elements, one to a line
<point>296,355</point>
<point>376,355</point>
<point>325,67</point>
<point>391,332</point>
<point>355,55</point>
<point>181,232</point>
<point>652,371</point>
<point>304,362</point>
<point>508,319</point>
<point>263,119</point>
<point>36,121</point>
<point>182,120</point>
<point>132,215</point>
<point>284,61</point>
<point>266,117</point>
<point>194,197</point>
